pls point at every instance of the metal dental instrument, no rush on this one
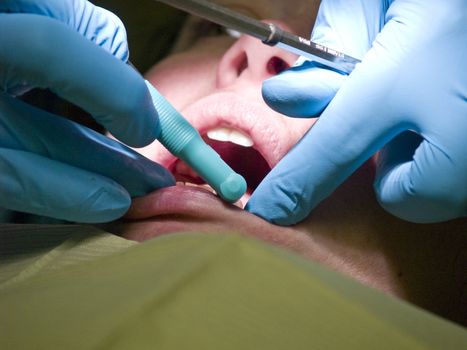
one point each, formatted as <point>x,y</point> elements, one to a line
<point>268,33</point>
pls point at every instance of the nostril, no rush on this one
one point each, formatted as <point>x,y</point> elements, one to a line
<point>241,63</point>
<point>276,65</point>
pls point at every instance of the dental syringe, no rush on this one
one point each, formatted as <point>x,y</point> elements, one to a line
<point>268,33</point>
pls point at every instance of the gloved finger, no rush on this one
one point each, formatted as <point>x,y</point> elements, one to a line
<point>423,182</point>
<point>331,151</point>
<point>24,127</point>
<point>306,89</point>
<point>35,184</point>
<point>51,55</point>
<point>351,34</point>
<point>95,23</point>
<point>346,135</point>
<point>303,90</point>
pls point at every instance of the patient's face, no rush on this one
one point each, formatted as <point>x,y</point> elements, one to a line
<point>216,85</point>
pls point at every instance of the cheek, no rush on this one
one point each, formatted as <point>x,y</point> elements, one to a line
<point>300,126</point>
<point>184,79</point>
<point>188,76</point>
<point>296,128</point>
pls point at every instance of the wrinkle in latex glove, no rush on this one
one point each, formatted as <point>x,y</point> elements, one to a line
<point>95,23</point>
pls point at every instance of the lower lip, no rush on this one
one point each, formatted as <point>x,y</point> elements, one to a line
<point>185,209</point>
<point>181,200</point>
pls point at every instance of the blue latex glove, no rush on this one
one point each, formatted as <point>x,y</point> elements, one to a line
<point>413,76</point>
<point>49,165</point>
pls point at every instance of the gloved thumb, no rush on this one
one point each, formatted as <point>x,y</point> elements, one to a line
<point>307,88</point>
<point>302,91</point>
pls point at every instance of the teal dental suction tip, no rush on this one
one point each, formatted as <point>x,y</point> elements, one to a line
<point>184,142</point>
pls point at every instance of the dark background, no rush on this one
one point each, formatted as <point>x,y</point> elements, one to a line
<point>151,27</point>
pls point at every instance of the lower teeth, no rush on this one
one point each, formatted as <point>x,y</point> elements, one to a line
<point>204,186</point>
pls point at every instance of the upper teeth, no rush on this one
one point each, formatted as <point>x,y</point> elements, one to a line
<point>234,136</point>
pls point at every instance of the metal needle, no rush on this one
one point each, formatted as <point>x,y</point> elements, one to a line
<point>268,33</point>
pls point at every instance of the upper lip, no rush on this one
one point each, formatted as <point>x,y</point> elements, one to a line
<point>229,110</point>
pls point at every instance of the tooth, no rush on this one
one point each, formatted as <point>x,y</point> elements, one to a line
<point>220,134</point>
<point>207,187</point>
<point>183,168</point>
<point>240,138</point>
<point>234,136</point>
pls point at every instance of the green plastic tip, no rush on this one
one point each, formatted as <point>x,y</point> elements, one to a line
<point>184,142</point>
<point>233,188</point>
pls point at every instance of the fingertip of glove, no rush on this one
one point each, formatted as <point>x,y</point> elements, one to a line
<point>283,94</point>
<point>278,92</point>
<point>137,121</point>
<point>280,220</point>
<point>276,214</point>
<point>301,91</point>
<point>147,132</point>
<point>107,204</point>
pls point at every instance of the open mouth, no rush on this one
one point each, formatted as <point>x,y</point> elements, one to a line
<point>237,149</point>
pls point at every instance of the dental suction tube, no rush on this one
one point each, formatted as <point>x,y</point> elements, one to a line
<point>268,33</point>
<point>184,142</point>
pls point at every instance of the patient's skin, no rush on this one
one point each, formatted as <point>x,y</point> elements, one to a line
<point>213,85</point>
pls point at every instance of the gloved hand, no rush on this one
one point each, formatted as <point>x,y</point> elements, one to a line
<point>413,76</point>
<point>49,165</point>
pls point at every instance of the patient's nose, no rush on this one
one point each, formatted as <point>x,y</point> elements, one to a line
<point>248,59</point>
